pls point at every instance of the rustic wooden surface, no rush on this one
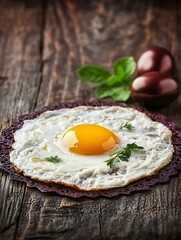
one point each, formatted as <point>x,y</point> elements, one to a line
<point>41,45</point>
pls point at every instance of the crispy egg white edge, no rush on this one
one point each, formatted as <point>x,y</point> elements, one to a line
<point>85,175</point>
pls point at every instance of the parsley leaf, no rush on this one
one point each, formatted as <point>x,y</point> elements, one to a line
<point>54,159</point>
<point>134,146</point>
<point>123,154</point>
<point>126,125</point>
<point>116,86</point>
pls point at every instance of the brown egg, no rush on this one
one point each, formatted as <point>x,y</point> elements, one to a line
<point>155,89</point>
<point>155,59</point>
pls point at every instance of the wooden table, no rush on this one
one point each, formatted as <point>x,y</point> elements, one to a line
<point>42,43</point>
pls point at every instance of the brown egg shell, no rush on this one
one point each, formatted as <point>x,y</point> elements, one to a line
<point>155,59</point>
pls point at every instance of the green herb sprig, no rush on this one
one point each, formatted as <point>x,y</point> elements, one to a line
<point>127,125</point>
<point>54,159</point>
<point>123,154</point>
<point>116,85</point>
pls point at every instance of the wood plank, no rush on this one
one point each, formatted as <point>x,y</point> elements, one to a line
<point>20,62</point>
<point>61,57</point>
<point>149,215</point>
<point>20,41</point>
<point>11,195</point>
<point>48,216</point>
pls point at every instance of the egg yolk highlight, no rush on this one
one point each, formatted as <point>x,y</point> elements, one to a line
<point>89,139</point>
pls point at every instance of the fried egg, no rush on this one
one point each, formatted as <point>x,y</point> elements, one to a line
<point>83,138</point>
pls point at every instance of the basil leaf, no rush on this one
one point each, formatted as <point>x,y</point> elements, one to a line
<point>120,71</point>
<point>112,80</point>
<point>118,93</point>
<point>121,94</point>
<point>128,65</point>
<point>93,73</point>
<point>103,91</point>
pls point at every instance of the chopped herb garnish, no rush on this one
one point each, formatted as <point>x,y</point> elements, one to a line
<point>126,125</point>
<point>123,154</point>
<point>54,159</point>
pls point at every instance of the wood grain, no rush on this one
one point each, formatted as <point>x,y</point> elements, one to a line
<point>42,43</point>
<point>20,65</point>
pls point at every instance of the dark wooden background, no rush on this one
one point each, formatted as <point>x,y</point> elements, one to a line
<point>42,42</point>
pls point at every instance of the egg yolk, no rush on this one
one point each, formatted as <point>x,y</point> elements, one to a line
<point>89,139</point>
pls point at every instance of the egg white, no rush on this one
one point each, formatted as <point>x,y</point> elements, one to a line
<point>38,139</point>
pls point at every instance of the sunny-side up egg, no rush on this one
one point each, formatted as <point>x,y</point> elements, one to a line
<point>88,139</point>
<point>73,146</point>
